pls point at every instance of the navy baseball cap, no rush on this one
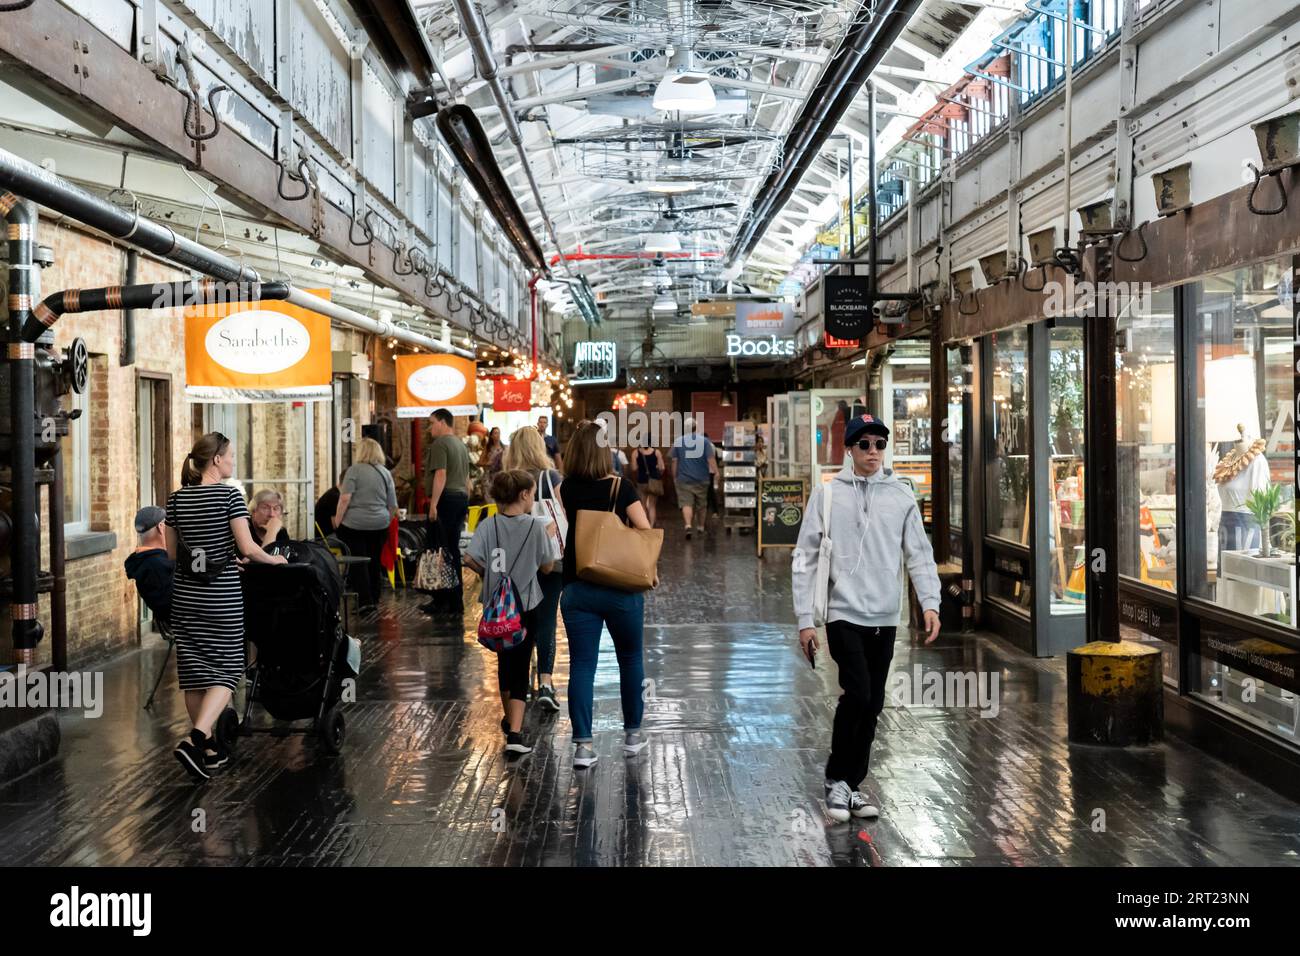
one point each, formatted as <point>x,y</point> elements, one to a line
<point>150,516</point>
<point>864,425</point>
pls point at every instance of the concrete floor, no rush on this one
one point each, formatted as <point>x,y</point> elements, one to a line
<point>738,723</point>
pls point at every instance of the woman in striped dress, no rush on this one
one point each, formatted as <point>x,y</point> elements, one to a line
<point>207,529</point>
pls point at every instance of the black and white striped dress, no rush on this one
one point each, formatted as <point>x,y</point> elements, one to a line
<point>208,618</point>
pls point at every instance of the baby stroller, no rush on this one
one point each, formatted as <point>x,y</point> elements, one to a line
<point>291,614</point>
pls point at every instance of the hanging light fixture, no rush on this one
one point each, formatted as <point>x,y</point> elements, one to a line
<point>663,238</point>
<point>684,89</point>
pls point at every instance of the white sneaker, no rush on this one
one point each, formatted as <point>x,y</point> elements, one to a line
<point>838,799</point>
<point>859,807</point>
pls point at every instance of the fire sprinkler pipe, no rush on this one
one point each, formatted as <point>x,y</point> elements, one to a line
<point>127,226</point>
<point>532,305</point>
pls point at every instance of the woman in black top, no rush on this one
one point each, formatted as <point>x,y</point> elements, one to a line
<point>207,615</point>
<point>587,608</point>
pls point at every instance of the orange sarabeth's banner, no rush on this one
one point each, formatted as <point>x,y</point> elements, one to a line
<point>257,352</point>
<point>429,382</point>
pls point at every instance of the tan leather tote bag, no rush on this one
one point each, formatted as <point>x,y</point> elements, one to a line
<point>610,553</point>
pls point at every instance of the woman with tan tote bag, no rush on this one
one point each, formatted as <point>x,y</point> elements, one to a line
<point>597,599</point>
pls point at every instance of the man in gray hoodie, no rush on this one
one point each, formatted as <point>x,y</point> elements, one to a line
<point>874,525</point>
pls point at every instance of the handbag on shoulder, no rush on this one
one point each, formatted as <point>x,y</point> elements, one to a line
<point>551,508</point>
<point>609,553</point>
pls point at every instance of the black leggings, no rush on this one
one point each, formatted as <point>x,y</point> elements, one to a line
<point>512,665</point>
<point>364,578</point>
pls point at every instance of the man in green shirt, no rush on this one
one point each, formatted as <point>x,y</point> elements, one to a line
<point>447,469</point>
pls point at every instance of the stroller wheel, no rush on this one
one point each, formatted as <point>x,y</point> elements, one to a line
<point>228,728</point>
<point>332,729</point>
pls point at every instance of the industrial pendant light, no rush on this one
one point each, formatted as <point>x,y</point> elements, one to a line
<point>684,89</point>
<point>663,238</point>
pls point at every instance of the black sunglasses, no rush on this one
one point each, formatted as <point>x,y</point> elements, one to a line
<point>867,444</point>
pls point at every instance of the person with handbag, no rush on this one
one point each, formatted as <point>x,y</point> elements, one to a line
<point>858,530</point>
<point>206,529</point>
<point>367,506</point>
<point>527,451</point>
<point>605,575</point>
<point>519,545</point>
<point>449,468</point>
<point>650,479</point>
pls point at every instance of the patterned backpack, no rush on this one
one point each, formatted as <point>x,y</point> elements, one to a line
<point>501,627</point>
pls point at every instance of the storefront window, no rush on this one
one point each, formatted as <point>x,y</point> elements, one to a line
<point>1146,395</point>
<point>1065,421</point>
<point>953,436</point>
<point>1245,561</point>
<point>909,378</point>
<point>1008,497</point>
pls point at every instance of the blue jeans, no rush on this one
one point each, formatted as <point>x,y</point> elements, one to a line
<point>586,609</point>
<point>544,629</point>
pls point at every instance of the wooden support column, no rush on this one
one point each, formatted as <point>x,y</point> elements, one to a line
<point>1101,469</point>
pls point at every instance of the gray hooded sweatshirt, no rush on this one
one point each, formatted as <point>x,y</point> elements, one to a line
<point>875,524</point>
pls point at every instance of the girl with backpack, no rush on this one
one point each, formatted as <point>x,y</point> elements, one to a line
<point>508,550</point>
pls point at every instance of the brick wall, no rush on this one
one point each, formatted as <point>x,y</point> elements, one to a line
<point>102,603</point>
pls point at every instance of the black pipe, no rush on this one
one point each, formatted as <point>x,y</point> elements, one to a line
<point>158,295</point>
<point>852,64</point>
<point>128,314</point>
<point>20,221</point>
<point>27,179</point>
<point>58,568</point>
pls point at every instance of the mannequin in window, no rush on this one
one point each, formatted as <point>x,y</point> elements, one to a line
<point>1242,470</point>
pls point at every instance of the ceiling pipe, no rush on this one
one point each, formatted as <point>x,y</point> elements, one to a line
<point>476,32</point>
<point>858,54</point>
<point>127,226</point>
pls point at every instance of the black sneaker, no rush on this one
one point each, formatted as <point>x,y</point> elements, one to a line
<point>688,534</point>
<point>516,744</point>
<point>546,698</point>
<point>190,754</point>
<point>505,726</point>
<point>215,755</point>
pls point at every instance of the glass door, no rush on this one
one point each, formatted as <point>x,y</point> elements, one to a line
<point>830,410</point>
<point>1065,436</point>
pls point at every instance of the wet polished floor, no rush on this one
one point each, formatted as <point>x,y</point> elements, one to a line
<point>738,726</point>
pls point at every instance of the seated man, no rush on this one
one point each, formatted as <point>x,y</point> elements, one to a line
<point>326,507</point>
<point>148,565</point>
<point>267,520</point>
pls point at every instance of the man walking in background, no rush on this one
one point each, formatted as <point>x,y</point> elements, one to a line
<point>448,488</point>
<point>874,525</point>
<point>694,469</point>
<point>552,443</point>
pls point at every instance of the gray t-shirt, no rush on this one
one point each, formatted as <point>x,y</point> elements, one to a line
<point>374,499</point>
<point>525,547</point>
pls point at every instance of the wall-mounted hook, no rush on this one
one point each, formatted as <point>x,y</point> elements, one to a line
<point>1042,268</point>
<point>1281,189</point>
<point>1142,238</point>
<point>192,122</point>
<point>961,299</point>
<point>367,230</point>
<point>398,268</point>
<point>301,176</point>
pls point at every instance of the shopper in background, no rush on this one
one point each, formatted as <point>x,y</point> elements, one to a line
<point>875,523</point>
<point>367,506</point>
<point>207,529</point>
<point>527,452</point>
<point>522,546</point>
<point>588,608</point>
<point>694,469</point>
<point>327,505</point>
<point>552,443</point>
<point>490,458</point>
<point>448,504</point>
<point>650,479</point>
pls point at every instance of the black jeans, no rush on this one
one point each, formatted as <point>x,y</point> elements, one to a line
<point>863,655</point>
<point>453,506</point>
<point>364,578</point>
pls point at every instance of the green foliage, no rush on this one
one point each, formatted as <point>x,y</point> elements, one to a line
<point>1263,503</point>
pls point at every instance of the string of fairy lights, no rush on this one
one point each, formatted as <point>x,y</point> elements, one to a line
<point>517,363</point>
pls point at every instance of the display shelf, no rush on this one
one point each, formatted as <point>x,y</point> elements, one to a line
<point>739,476</point>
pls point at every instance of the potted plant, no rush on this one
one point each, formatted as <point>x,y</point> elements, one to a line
<point>1262,505</point>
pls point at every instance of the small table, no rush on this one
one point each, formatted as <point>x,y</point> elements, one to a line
<point>1277,573</point>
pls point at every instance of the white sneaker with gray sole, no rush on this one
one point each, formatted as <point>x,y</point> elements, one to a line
<point>584,755</point>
